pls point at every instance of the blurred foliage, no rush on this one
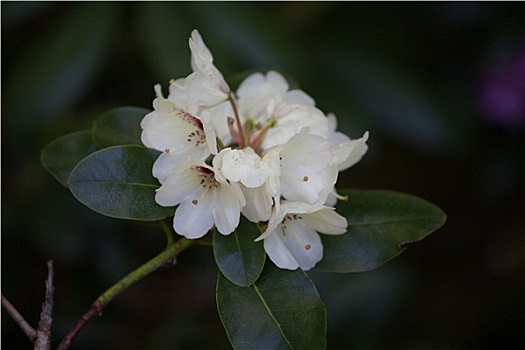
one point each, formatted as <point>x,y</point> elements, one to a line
<point>410,73</point>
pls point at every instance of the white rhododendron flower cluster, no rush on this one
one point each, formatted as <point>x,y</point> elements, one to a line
<point>264,151</point>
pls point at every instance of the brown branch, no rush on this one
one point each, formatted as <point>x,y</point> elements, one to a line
<point>29,331</point>
<point>43,340</point>
<point>94,310</point>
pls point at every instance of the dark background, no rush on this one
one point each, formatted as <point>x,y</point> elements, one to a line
<point>440,86</point>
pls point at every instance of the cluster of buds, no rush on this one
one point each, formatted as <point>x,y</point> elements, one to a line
<point>264,151</point>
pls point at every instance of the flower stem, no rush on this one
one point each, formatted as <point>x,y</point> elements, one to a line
<point>105,298</point>
<point>167,232</point>
<point>238,120</point>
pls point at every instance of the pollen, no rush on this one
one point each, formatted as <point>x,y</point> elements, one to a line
<point>305,178</point>
<point>195,201</point>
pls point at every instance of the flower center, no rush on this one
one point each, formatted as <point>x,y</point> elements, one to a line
<point>206,181</point>
<point>196,137</point>
<point>288,226</point>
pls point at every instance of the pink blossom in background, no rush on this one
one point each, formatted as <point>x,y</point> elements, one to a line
<point>502,98</point>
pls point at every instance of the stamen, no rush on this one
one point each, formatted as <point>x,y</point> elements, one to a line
<point>294,232</point>
<point>340,197</point>
<point>293,176</point>
<point>257,138</point>
<point>235,135</point>
<point>195,201</point>
<point>167,150</point>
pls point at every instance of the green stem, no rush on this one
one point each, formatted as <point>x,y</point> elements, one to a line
<point>136,275</point>
<point>167,232</point>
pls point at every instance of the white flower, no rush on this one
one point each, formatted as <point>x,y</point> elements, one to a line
<point>202,62</point>
<point>304,159</point>
<point>290,119</point>
<point>292,240</point>
<point>258,95</point>
<point>200,103</point>
<point>242,165</point>
<point>260,200</point>
<point>258,178</point>
<point>345,151</point>
<point>267,153</point>
<point>203,201</point>
<point>176,132</point>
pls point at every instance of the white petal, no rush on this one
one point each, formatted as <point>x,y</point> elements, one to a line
<point>332,119</point>
<point>202,61</point>
<point>164,165</point>
<point>271,157</point>
<point>200,53</point>
<point>351,152</point>
<point>245,166</point>
<point>280,210</point>
<point>219,115</point>
<point>203,92</point>
<point>258,203</point>
<point>209,131</point>
<point>173,130</point>
<point>298,97</point>
<point>178,186</point>
<point>259,95</point>
<point>226,210</point>
<point>158,90</point>
<point>303,243</point>
<point>306,150</point>
<point>276,82</point>
<point>178,94</point>
<point>291,119</point>
<point>278,252</point>
<point>301,184</point>
<point>251,85</point>
<point>193,220</point>
<point>326,221</point>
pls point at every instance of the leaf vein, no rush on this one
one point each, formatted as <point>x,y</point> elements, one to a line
<point>271,315</point>
<point>370,223</point>
<point>241,256</point>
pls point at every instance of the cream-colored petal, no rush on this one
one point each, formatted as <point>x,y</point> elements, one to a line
<point>278,252</point>
<point>245,166</point>
<point>303,243</point>
<point>326,221</point>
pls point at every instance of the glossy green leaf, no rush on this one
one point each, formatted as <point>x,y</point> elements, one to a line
<point>238,256</point>
<point>117,182</point>
<point>119,126</point>
<point>61,155</point>
<point>281,310</point>
<point>380,224</point>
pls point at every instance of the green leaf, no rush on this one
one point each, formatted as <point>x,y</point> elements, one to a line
<point>239,258</point>
<point>380,223</point>
<point>281,310</point>
<point>61,155</point>
<point>117,182</point>
<point>119,126</point>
